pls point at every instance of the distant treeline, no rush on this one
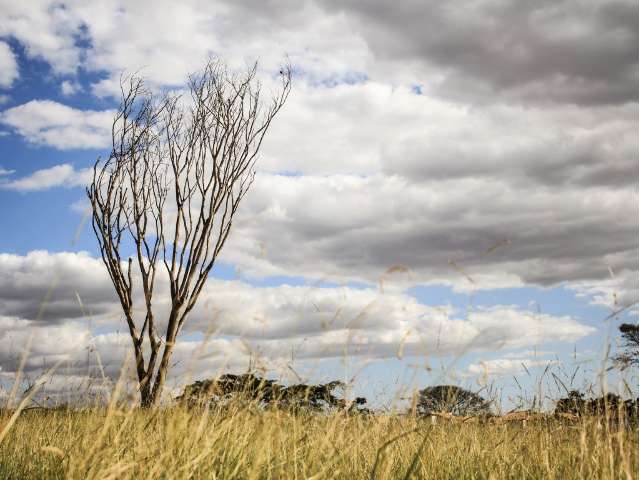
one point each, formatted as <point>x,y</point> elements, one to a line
<point>249,389</point>
<point>610,404</point>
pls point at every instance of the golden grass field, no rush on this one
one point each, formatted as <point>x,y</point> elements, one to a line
<point>176,443</point>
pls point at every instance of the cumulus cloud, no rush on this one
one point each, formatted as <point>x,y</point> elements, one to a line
<point>109,36</point>
<point>375,324</point>
<point>618,293</point>
<point>49,288</point>
<point>68,292</point>
<point>375,127</point>
<point>40,346</point>
<point>507,366</point>
<point>82,366</point>
<point>479,144</point>
<point>391,177</point>
<point>45,122</point>
<point>9,71</point>
<point>68,87</point>
<point>63,175</point>
<point>571,51</point>
<point>328,323</point>
<point>497,234</point>
<point>48,30</point>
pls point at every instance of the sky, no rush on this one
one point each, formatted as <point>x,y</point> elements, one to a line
<point>449,195</point>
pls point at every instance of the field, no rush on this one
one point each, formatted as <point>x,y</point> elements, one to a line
<point>174,443</point>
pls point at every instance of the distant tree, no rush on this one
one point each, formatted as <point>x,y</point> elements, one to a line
<point>310,397</point>
<point>630,355</point>
<point>164,200</point>
<point>252,389</point>
<point>574,403</point>
<point>451,399</point>
<point>608,404</point>
<point>231,388</point>
<point>321,397</point>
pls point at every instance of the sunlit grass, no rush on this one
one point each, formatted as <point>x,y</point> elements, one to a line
<point>179,443</point>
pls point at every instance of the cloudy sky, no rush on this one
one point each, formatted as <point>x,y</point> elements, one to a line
<point>450,192</point>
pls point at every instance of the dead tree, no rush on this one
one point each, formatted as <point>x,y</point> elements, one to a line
<point>164,200</point>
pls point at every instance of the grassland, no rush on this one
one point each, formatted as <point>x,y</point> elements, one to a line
<point>175,443</point>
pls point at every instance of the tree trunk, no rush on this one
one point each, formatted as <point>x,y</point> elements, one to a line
<point>146,400</point>
<point>144,383</point>
<point>160,377</point>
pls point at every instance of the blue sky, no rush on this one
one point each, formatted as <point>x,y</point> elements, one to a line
<point>503,184</point>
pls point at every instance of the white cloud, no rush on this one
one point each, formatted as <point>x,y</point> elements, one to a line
<point>44,122</point>
<point>68,88</point>
<point>58,176</point>
<point>375,127</point>
<point>389,177</point>
<point>527,145</point>
<point>82,206</point>
<point>66,292</point>
<point>47,29</point>
<point>43,345</point>
<point>325,322</point>
<point>571,52</point>
<point>507,366</point>
<point>347,227</point>
<point>422,181</point>
<point>85,366</point>
<point>124,36</point>
<point>9,71</point>
<point>619,293</point>
<point>240,31</point>
<point>443,180</point>
<point>45,287</point>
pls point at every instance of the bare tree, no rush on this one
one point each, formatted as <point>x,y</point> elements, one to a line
<point>166,196</point>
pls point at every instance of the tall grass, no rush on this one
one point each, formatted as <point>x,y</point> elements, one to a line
<point>175,443</point>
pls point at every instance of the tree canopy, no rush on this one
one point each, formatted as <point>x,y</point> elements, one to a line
<point>249,388</point>
<point>576,403</point>
<point>630,354</point>
<point>451,399</point>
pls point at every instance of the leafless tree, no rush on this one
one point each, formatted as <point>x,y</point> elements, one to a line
<point>166,196</point>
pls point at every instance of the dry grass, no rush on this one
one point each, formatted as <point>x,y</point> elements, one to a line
<point>176,443</point>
